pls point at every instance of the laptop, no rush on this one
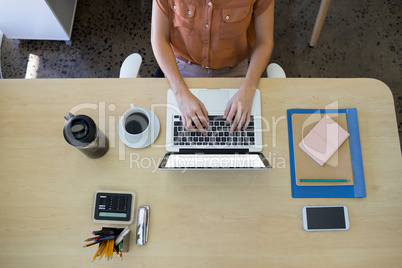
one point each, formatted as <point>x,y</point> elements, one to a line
<point>219,149</point>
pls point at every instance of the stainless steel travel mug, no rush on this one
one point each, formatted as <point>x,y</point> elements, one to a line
<point>81,132</point>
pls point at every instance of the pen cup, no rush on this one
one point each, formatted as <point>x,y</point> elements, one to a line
<point>110,241</point>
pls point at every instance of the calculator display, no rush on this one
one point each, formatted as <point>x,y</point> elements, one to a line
<point>113,206</point>
<point>112,214</point>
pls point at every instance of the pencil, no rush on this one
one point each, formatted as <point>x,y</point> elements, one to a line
<point>115,250</point>
<point>108,250</point>
<point>91,244</point>
<point>103,250</point>
<point>111,246</point>
<point>120,251</point>
<point>324,180</point>
<point>98,252</point>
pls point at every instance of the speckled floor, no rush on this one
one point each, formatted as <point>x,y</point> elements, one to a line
<point>359,39</point>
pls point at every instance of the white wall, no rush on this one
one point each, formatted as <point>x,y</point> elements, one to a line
<point>34,19</point>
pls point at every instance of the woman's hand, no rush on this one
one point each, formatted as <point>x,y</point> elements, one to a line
<point>239,108</point>
<point>192,109</point>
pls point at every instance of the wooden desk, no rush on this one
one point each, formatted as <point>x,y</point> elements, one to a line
<point>202,219</point>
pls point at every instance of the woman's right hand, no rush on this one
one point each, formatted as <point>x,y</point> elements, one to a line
<point>192,109</point>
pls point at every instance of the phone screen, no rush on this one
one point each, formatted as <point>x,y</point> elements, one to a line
<point>325,218</point>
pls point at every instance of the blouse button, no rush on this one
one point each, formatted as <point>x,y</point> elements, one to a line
<point>227,17</point>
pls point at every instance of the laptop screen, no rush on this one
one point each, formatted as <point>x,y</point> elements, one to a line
<point>214,161</point>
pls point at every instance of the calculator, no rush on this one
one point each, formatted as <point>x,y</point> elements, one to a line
<point>115,207</point>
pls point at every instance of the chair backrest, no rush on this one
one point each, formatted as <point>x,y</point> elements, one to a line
<point>131,66</point>
<point>275,71</point>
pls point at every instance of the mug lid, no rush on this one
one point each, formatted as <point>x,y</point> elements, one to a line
<point>80,130</point>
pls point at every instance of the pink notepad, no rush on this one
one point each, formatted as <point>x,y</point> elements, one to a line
<point>323,140</point>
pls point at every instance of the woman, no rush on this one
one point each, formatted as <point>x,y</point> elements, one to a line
<point>213,38</point>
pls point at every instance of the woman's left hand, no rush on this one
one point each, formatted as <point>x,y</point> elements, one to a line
<point>239,108</point>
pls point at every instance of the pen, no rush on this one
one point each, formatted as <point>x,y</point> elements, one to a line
<point>324,180</point>
<point>96,237</point>
<point>122,235</point>
<point>104,238</point>
<point>104,232</point>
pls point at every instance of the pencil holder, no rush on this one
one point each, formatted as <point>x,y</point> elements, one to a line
<point>110,240</point>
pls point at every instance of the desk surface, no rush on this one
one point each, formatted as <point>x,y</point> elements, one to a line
<point>198,218</point>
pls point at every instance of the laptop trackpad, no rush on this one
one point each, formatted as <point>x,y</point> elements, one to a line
<point>215,101</point>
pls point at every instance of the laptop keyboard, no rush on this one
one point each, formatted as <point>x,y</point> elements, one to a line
<point>217,135</point>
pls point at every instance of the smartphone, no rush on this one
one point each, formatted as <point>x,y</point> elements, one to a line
<point>325,218</point>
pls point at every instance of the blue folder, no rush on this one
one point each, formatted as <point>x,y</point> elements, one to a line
<point>342,191</point>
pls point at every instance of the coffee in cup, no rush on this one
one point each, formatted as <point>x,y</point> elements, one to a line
<point>136,123</point>
<point>138,127</point>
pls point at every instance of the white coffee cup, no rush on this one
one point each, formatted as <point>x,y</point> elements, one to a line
<point>135,124</point>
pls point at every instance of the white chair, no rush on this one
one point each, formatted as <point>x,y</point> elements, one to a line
<point>275,71</point>
<point>131,66</point>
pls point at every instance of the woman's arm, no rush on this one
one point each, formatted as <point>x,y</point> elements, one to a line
<point>192,109</point>
<point>239,106</point>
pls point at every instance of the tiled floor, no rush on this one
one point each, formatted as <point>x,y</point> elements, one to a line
<point>359,39</point>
